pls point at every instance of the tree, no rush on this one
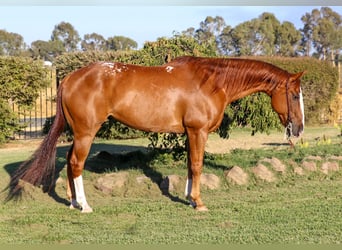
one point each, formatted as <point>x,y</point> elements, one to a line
<point>46,50</point>
<point>323,31</point>
<point>246,38</point>
<point>11,44</point>
<point>226,43</point>
<point>327,35</point>
<point>288,40</point>
<point>309,21</point>
<point>66,33</point>
<point>190,32</point>
<point>210,28</point>
<point>121,43</point>
<point>264,35</point>
<point>93,41</point>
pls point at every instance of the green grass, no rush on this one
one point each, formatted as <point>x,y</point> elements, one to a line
<point>294,210</point>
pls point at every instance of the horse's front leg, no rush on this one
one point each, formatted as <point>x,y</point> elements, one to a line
<point>196,145</point>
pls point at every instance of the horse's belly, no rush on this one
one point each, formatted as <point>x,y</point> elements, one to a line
<point>150,117</point>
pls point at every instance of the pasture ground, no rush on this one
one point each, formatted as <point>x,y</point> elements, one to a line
<point>294,210</point>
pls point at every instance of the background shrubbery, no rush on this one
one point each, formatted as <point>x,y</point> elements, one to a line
<point>21,78</point>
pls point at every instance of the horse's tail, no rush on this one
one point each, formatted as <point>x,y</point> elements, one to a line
<point>40,168</point>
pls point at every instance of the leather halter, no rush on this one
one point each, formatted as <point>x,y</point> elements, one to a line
<point>288,128</point>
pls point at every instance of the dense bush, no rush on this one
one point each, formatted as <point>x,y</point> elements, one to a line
<point>8,122</point>
<point>21,79</point>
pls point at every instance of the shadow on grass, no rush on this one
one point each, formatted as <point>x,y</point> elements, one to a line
<point>105,158</point>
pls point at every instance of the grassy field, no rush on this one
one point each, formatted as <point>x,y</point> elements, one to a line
<point>295,209</point>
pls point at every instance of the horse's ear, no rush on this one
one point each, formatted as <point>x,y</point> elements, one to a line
<point>296,76</point>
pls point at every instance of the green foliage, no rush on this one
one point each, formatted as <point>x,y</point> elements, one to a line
<point>67,34</point>
<point>152,54</point>
<point>112,129</point>
<point>8,122</point>
<point>20,81</point>
<point>11,44</point>
<point>121,43</point>
<point>256,112</point>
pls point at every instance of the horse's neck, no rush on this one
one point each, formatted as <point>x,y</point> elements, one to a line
<point>242,89</point>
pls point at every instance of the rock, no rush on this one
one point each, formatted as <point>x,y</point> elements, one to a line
<point>309,166</point>
<point>329,167</point>
<point>142,179</point>
<point>277,165</point>
<point>313,158</point>
<point>112,181</point>
<point>236,175</point>
<point>210,181</point>
<point>335,158</point>
<point>298,171</point>
<point>262,172</point>
<point>175,183</point>
<point>170,183</point>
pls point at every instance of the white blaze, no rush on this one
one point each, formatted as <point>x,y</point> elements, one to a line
<point>301,102</point>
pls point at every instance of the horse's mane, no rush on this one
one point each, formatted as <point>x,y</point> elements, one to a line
<point>234,72</point>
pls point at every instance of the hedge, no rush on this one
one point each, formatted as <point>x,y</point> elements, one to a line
<point>21,78</point>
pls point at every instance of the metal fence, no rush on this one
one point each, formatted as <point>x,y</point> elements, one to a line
<point>33,119</point>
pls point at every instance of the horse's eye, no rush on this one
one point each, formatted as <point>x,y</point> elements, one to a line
<point>295,97</point>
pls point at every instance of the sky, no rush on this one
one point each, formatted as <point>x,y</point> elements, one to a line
<point>140,23</point>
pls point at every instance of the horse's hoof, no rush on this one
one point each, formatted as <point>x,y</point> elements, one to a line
<point>201,208</point>
<point>87,210</point>
<point>74,205</point>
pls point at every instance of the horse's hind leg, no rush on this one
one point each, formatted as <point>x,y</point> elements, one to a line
<point>76,159</point>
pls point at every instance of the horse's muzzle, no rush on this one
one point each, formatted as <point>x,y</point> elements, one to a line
<point>294,130</point>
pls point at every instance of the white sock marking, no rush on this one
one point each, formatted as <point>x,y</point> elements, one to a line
<point>188,188</point>
<point>80,195</point>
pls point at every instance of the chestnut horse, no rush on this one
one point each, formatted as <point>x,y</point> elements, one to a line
<point>187,95</point>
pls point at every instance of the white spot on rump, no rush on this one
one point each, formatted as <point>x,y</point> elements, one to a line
<point>169,69</point>
<point>108,64</point>
<point>113,68</point>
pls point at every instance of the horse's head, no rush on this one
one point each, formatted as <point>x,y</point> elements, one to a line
<point>287,101</point>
